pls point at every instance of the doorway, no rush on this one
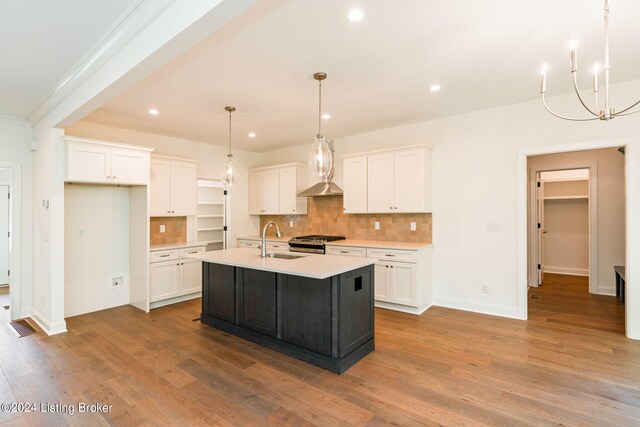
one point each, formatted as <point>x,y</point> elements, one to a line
<point>577,213</point>
<point>5,245</point>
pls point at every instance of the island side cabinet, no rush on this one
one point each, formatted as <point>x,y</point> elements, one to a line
<point>327,322</point>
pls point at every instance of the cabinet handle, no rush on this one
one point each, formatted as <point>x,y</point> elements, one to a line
<point>294,210</point>
<point>164,256</point>
<point>114,177</point>
<point>389,255</point>
<point>261,210</point>
<point>344,252</point>
<point>391,266</point>
<point>193,252</point>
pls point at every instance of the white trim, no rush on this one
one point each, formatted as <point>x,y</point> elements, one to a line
<point>49,328</point>
<point>632,183</point>
<point>14,121</point>
<point>566,270</point>
<point>607,290</point>
<point>477,307</point>
<point>133,21</point>
<point>387,150</point>
<point>16,289</point>
<point>174,300</point>
<point>107,143</point>
<point>403,308</point>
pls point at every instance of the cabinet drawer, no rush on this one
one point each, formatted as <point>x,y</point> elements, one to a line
<point>392,255</point>
<point>346,251</point>
<point>284,246</point>
<point>248,244</point>
<point>191,251</point>
<point>158,256</point>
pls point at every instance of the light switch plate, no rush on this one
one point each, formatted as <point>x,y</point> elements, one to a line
<point>290,224</point>
<point>494,227</point>
<point>163,228</point>
<point>413,226</point>
<point>376,225</point>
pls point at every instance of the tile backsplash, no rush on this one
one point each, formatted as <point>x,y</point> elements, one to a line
<point>325,216</point>
<point>175,230</point>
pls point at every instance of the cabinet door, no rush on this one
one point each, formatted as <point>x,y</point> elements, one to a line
<point>288,196</point>
<point>306,313</point>
<point>380,183</point>
<point>255,193</point>
<point>219,292</point>
<point>408,187</point>
<point>256,300</point>
<point>381,281</point>
<point>191,280</point>
<point>183,188</point>
<point>403,283</point>
<point>270,188</point>
<point>354,185</point>
<point>88,163</point>
<point>159,187</point>
<point>165,280</point>
<point>129,167</point>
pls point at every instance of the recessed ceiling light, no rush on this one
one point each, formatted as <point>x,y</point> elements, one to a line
<point>326,116</point>
<point>434,88</point>
<point>154,112</point>
<point>355,15</point>
<point>252,135</point>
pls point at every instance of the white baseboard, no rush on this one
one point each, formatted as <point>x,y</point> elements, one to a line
<point>175,300</point>
<point>403,308</point>
<point>607,290</point>
<point>477,307</point>
<point>566,270</point>
<point>48,327</point>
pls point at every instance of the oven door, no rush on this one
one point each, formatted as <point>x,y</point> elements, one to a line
<point>309,249</point>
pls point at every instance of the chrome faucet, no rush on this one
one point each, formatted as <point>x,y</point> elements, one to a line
<point>263,246</point>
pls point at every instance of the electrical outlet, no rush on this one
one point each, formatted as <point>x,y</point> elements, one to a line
<point>376,225</point>
<point>82,234</point>
<point>413,226</point>
<point>163,228</point>
<point>485,288</point>
<point>290,224</point>
<point>116,281</point>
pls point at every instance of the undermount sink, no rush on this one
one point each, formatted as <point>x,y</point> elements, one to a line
<point>284,256</point>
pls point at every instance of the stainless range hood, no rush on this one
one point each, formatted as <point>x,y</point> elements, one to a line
<point>322,189</point>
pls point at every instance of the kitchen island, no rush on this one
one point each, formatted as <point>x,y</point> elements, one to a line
<point>317,308</point>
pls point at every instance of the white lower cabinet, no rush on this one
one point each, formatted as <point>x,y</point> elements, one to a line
<point>174,278</point>
<point>402,277</point>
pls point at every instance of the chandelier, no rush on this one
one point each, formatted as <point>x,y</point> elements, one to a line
<point>601,111</point>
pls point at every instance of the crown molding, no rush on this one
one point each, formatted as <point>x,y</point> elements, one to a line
<point>135,19</point>
<point>14,121</point>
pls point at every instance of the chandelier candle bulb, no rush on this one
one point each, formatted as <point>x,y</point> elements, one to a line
<point>543,82</point>
<point>574,56</point>
<point>596,72</point>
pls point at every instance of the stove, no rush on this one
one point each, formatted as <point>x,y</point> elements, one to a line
<point>314,244</point>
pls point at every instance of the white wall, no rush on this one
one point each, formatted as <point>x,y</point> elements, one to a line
<point>102,253</point>
<point>210,160</point>
<point>566,245</point>
<point>475,182</point>
<point>15,148</point>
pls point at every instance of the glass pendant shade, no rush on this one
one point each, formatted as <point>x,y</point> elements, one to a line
<point>320,157</point>
<point>229,175</point>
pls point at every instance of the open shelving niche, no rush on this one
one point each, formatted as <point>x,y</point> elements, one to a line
<point>573,188</point>
<point>211,215</point>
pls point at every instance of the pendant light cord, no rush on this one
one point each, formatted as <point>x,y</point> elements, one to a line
<point>229,132</point>
<point>319,108</point>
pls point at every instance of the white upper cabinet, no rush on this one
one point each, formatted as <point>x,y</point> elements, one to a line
<point>101,162</point>
<point>354,185</point>
<point>380,183</point>
<point>173,187</point>
<point>394,181</point>
<point>274,190</point>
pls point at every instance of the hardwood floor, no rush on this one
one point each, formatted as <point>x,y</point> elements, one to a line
<point>567,365</point>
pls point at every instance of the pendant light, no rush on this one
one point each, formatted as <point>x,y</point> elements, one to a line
<point>320,157</point>
<point>229,174</point>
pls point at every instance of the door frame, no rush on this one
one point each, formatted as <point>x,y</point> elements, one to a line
<point>593,223</point>
<point>632,191</point>
<point>19,308</point>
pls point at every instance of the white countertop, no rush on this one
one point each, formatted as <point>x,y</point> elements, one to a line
<point>309,265</point>
<point>377,244</point>
<point>168,246</point>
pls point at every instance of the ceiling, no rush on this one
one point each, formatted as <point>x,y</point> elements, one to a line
<point>483,54</point>
<point>42,41</point>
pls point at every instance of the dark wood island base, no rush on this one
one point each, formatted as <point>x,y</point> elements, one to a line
<point>326,322</point>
